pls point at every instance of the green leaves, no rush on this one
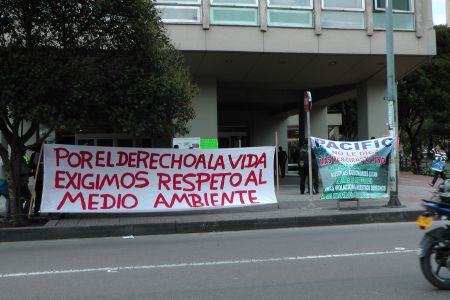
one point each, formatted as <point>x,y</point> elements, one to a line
<point>69,62</point>
<point>424,95</point>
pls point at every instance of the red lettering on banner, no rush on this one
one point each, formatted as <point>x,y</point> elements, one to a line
<point>143,158</point>
<point>107,201</point>
<point>227,198</point>
<point>219,163</point>
<point>177,180</point>
<point>202,178</point>
<point>213,199</point>
<point>123,182</point>
<point>153,161</point>
<point>91,203</point>
<point>109,162</point>
<point>161,162</point>
<point>86,157</point>
<point>236,182</point>
<point>163,179</point>
<point>195,200</point>
<point>188,182</point>
<point>261,181</point>
<point>105,205</point>
<point>61,153</point>
<point>109,180</point>
<point>122,159</point>
<point>90,185</point>
<point>251,197</point>
<point>233,163</point>
<point>99,158</point>
<point>144,182</point>
<point>251,178</point>
<point>134,199</point>
<point>201,161</point>
<point>59,179</point>
<point>241,196</point>
<point>72,182</point>
<point>68,196</point>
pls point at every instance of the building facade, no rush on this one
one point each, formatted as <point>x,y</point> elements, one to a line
<point>253,59</point>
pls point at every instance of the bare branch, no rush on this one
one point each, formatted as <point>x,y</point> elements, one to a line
<point>30,132</point>
<point>5,131</point>
<point>41,139</point>
<point>4,154</point>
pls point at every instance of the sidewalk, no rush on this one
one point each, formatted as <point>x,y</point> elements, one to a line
<point>294,210</point>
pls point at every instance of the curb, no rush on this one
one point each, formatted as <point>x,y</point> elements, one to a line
<point>52,233</point>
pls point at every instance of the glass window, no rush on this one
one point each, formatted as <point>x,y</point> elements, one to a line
<point>235,2</point>
<point>399,21</point>
<point>291,3</point>
<point>181,2</point>
<point>179,14</point>
<point>290,18</point>
<point>105,142</point>
<point>86,142</point>
<point>234,16</point>
<point>124,142</point>
<point>343,4</point>
<point>397,5</point>
<point>144,143</point>
<point>344,20</point>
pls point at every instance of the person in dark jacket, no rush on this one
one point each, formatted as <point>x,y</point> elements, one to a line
<point>282,159</point>
<point>303,168</point>
<point>34,165</point>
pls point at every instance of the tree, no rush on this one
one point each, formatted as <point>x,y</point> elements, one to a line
<point>424,96</point>
<point>64,63</point>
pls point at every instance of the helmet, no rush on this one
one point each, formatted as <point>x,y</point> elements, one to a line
<point>444,191</point>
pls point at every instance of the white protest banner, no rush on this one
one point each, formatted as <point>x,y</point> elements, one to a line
<point>84,179</point>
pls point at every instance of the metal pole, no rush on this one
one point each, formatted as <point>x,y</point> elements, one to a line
<point>310,180</point>
<point>392,102</point>
<point>307,103</point>
<point>276,162</point>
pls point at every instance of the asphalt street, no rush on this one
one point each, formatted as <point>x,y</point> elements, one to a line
<point>371,261</point>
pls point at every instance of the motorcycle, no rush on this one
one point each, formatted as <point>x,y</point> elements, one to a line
<point>434,250</point>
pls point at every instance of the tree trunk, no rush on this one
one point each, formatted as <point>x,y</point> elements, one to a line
<point>14,186</point>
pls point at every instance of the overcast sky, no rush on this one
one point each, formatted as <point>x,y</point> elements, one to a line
<point>439,12</point>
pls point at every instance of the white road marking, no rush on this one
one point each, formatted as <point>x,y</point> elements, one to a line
<point>201,264</point>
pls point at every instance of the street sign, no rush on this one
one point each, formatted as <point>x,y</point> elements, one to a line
<point>307,100</point>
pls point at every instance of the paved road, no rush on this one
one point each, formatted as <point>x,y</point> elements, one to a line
<point>376,261</point>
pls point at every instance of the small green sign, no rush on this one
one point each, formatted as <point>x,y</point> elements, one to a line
<point>209,144</point>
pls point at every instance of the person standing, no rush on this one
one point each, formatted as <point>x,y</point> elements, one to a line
<point>4,189</point>
<point>282,159</point>
<point>303,170</point>
<point>439,158</point>
<point>35,164</point>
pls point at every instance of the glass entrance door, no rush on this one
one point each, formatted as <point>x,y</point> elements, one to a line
<point>233,140</point>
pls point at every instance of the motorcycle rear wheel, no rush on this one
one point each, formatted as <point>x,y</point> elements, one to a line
<point>435,264</point>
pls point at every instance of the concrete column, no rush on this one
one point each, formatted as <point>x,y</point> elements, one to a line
<point>205,14</point>
<point>447,4</point>
<point>205,105</point>
<point>263,15</point>
<point>319,121</point>
<point>317,17</point>
<point>264,128</point>
<point>369,17</point>
<point>418,9</point>
<point>372,109</point>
